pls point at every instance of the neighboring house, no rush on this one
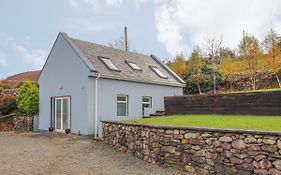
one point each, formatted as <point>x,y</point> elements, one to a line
<point>83,83</point>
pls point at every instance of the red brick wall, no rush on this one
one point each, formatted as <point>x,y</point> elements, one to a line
<point>258,103</point>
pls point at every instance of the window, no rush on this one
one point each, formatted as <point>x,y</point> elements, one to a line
<point>146,102</point>
<point>122,105</point>
<point>108,63</point>
<point>158,72</point>
<point>133,65</point>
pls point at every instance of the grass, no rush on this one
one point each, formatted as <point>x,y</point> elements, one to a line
<point>272,123</point>
<point>260,90</point>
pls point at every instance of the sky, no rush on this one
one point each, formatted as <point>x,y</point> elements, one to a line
<point>164,28</point>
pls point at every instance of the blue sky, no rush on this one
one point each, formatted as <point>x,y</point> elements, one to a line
<point>162,27</point>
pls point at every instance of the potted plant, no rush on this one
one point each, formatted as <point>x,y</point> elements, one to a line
<point>51,129</point>
<point>67,131</point>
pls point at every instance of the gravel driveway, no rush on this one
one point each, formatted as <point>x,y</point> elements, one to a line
<point>51,153</point>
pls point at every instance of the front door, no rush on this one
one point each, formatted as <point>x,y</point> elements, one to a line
<point>62,113</point>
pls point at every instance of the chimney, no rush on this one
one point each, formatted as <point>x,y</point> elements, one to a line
<point>126,39</point>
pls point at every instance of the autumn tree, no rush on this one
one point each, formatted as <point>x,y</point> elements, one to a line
<point>212,52</point>
<point>178,65</point>
<point>250,52</point>
<point>229,69</point>
<point>226,52</point>
<point>195,67</point>
<point>273,53</point>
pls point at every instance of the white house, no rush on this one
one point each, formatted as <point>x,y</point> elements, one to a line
<point>83,83</point>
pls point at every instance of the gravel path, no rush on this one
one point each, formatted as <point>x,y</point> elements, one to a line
<point>51,153</point>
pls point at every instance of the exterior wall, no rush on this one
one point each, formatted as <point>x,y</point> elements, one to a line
<point>199,150</point>
<point>109,89</point>
<point>257,103</point>
<point>64,68</point>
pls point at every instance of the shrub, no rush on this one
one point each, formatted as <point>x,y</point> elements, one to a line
<point>6,98</point>
<point>27,98</point>
<point>7,86</point>
<point>8,107</point>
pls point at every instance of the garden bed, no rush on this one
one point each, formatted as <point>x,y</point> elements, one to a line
<point>270,123</point>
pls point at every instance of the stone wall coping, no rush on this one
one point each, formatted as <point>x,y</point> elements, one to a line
<point>201,129</point>
<point>16,115</point>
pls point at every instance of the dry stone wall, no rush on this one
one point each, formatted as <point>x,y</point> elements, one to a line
<point>199,150</point>
<point>18,122</point>
<point>23,122</point>
<point>6,124</point>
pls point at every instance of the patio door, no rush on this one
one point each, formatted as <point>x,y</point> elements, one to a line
<point>62,113</point>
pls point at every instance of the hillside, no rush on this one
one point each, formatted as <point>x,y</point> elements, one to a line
<point>31,76</point>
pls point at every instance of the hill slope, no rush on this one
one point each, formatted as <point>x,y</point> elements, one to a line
<point>31,76</point>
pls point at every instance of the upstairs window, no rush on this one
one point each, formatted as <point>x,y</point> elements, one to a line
<point>108,63</point>
<point>158,72</point>
<point>133,65</point>
<point>122,105</point>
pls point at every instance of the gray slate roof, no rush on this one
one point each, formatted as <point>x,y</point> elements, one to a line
<point>90,53</point>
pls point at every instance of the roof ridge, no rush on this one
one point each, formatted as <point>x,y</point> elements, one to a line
<point>108,47</point>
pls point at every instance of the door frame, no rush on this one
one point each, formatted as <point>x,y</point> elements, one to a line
<point>55,112</point>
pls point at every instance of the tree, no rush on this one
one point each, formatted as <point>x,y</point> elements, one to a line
<point>27,98</point>
<point>229,69</point>
<point>226,52</point>
<point>118,44</point>
<point>273,53</point>
<point>195,67</point>
<point>213,56</point>
<point>178,65</point>
<point>250,52</point>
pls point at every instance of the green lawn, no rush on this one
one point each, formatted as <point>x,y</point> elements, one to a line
<point>272,123</point>
<point>259,90</point>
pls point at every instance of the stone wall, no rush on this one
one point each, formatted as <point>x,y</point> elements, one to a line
<point>6,123</point>
<point>23,122</point>
<point>199,150</point>
<point>17,122</point>
<point>257,103</point>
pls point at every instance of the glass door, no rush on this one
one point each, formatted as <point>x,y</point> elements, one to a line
<point>62,111</point>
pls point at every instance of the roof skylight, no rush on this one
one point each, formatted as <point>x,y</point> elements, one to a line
<point>158,72</point>
<point>109,64</point>
<point>134,66</point>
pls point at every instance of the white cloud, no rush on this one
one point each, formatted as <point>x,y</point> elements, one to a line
<point>169,30</point>
<point>80,26</point>
<point>35,57</point>
<point>3,59</point>
<point>95,3</point>
<point>184,23</point>
<point>113,2</point>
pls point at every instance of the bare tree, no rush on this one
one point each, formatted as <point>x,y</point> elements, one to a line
<point>212,53</point>
<point>119,44</point>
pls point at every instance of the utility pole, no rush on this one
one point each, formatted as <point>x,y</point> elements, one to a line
<point>126,39</point>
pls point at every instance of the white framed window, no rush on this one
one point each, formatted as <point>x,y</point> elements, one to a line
<point>108,63</point>
<point>134,66</point>
<point>158,72</point>
<point>146,102</point>
<point>122,105</point>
